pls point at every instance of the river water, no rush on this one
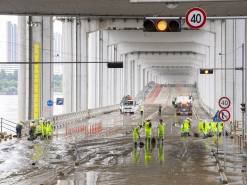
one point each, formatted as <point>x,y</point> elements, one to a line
<point>9,107</point>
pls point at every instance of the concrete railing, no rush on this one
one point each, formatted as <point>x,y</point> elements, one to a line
<point>62,120</point>
<point>145,92</point>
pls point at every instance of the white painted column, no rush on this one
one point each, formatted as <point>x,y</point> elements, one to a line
<point>82,69</point>
<point>105,82</point>
<point>69,84</point>
<point>92,70</point>
<point>22,74</point>
<point>42,34</point>
<point>144,77</point>
<point>229,59</point>
<point>245,68</point>
<point>47,69</point>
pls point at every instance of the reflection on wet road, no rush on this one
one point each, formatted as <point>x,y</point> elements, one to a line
<point>109,157</point>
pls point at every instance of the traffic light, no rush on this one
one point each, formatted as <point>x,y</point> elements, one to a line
<point>161,25</point>
<point>243,109</point>
<point>206,71</point>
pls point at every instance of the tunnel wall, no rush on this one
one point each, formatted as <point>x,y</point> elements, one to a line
<point>94,85</point>
<point>225,54</point>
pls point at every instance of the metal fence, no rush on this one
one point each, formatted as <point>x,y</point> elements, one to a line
<point>7,126</point>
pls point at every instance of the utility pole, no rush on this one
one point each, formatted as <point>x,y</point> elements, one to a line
<point>243,95</point>
<point>30,68</point>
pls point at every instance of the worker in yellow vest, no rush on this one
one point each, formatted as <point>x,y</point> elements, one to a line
<point>49,129</point>
<point>148,130</point>
<point>205,128</point>
<point>185,127</point>
<point>135,134</point>
<point>161,131</point>
<point>200,127</point>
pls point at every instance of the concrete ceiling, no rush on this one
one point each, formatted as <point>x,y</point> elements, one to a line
<point>117,8</point>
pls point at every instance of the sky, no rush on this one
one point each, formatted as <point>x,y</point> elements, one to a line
<point>3,32</point>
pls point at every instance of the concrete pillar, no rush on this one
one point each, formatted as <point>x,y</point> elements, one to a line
<point>139,79</point>
<point>105,82</point>
<point>41,91</point>
<point>229,61</point>
<point>47,69</point>
<point>22,74</point>
<point>245,68</point>
<point>92,70</point>
<point>81,68</point>
<point>69,85</point>
<point>128,75</point>
<point>144,77</point>
<point>101,67</point>
<point>132,80</point>
<point>240,39</point>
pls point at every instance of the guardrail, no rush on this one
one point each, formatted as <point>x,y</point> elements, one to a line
<point>8,125</point>
<point>145,92</point>
<point>60,121</point>
<point>64,120</point>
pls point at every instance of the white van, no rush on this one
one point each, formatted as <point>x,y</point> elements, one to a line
<point>128,106</point>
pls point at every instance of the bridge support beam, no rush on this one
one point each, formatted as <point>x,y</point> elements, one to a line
<point>22,75</point>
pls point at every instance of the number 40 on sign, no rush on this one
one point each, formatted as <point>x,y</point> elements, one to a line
<point>196,18</point>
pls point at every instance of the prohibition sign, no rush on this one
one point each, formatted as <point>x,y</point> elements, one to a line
<point>196,18</point>
<point>224,115</point>
<point>224,102</point>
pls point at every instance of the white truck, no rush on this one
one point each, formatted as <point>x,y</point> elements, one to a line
<point>183,105</point>
<point>128,105</point>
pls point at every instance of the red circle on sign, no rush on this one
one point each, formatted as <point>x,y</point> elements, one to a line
<point>226,118</point>
<point>222,98</point>
<point>195,9</point>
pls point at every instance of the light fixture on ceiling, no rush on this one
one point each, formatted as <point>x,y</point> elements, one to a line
<point>171,5</point>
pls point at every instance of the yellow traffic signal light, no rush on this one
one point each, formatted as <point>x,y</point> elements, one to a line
<point>206,71</point>
<point>161,25</point>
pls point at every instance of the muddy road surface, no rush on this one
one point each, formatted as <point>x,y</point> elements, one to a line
<point>107,156</point>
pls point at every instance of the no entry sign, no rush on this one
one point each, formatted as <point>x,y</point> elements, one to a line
<point>196,18</point>
<point>224,115</point>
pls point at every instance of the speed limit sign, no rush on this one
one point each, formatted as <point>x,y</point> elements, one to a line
<point>196,18</point>
<point>224,102</point>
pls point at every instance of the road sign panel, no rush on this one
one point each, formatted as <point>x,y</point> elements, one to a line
<point>224,102</point>
<point>216,117</point>
<point>49,103</point>
<point>224,115</point>
<point>60,101</point>
<point>196,18</point>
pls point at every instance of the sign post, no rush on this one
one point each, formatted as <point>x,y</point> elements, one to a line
<point>224,115</point>
<point>196,18</point>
